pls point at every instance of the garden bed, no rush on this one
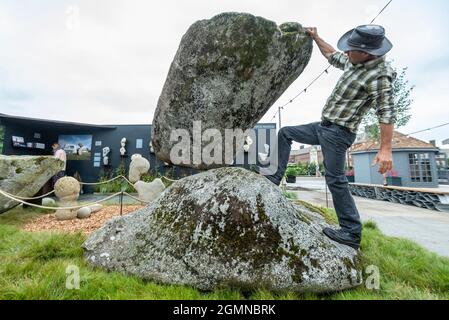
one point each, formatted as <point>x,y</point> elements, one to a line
<point>48,222</point>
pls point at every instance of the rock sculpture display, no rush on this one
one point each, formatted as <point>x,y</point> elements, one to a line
<point>106,151</point>
<point>225,227</point>
<point>147,191</point>
<point>248,143</point>
<point>48,202</point>
<point>137,168</point>
<point>86,212</point>
<point>123,147</point>
<point>67,190</point>
<point>227,73</point>
<point>24,176</point>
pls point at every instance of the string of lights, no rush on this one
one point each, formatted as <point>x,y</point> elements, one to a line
<point>325,71</point>
<point>429,129</point>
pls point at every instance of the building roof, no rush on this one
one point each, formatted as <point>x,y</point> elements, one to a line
<point>400,142</point>
<point>300,152</point>
<point>53,123</point>
<point>303,151</point>
<point>47,123</point>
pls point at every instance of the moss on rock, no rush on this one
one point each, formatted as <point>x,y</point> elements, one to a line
<point>224,226</point>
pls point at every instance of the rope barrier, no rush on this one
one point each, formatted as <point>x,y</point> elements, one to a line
<point>12,197</point>
<point>118,177</point>
<point>135,198</point>
<point>103,182</point>
<point>16,198</point>
<point>35,198</point>
<point>164,177</point>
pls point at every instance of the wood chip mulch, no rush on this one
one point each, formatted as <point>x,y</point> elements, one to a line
<point>48,222</point>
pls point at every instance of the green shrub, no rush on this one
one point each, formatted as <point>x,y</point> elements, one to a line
<point>290,195</point>
<point>115,186</point>
<point>292,171</point>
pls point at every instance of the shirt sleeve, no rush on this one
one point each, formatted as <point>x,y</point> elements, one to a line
<point>338,60</point>
<point>380,92</point>
<point>60,155</point>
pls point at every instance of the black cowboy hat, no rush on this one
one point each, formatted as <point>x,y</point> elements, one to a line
<point>369,38</point>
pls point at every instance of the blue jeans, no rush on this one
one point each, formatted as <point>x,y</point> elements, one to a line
<point>56,177</point>
<point>334,142</point>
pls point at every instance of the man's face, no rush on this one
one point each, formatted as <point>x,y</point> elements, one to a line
<point>55,146</point>
<point>358,56</point>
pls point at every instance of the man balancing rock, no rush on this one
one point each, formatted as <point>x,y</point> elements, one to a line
<point>366,83</point>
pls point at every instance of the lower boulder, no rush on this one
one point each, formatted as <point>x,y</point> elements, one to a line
<point>225,228</point>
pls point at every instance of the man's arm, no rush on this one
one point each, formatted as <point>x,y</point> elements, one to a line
<point>385,158</point>
<point>382,96</point>
<point>335,58</point>
<point>326,49</point>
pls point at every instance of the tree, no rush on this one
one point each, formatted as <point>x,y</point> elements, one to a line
<point>402,91</point>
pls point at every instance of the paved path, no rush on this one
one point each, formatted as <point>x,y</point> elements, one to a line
<point>428,228</point>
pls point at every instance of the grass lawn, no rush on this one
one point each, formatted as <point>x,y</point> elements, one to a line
<point>33,266</point>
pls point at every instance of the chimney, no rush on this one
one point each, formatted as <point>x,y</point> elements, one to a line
<point>433,142</point>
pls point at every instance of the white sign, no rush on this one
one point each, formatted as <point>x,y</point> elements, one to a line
<point>139,143</point>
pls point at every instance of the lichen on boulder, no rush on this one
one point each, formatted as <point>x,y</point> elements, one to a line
<point>227,73</point>
<point>225,227</point>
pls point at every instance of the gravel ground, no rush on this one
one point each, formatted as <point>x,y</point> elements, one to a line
<point>48,222</point>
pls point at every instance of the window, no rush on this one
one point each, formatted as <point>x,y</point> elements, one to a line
<point>441,160</point>
<point>420,167</point>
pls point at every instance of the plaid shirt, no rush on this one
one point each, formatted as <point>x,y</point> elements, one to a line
<point>360,88</point>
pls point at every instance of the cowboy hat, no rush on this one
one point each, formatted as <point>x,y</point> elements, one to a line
<point>368,38</point>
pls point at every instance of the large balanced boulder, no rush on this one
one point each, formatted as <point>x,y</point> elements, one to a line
<point>24,176</point>
<point>225,227</point>
<point>227,73</point>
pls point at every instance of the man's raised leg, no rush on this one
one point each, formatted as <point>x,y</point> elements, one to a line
<point>306,134</point>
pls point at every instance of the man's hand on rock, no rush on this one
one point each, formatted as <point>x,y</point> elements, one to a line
<point>312,31</point>
<point>326,49</point>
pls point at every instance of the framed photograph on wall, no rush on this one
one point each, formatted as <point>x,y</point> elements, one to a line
<point>18,142</point>
<point>77,147</point>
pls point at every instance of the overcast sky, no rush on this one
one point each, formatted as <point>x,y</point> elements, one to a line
<point>105,61</point>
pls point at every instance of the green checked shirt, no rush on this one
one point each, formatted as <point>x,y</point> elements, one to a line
<point>360,88</point>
